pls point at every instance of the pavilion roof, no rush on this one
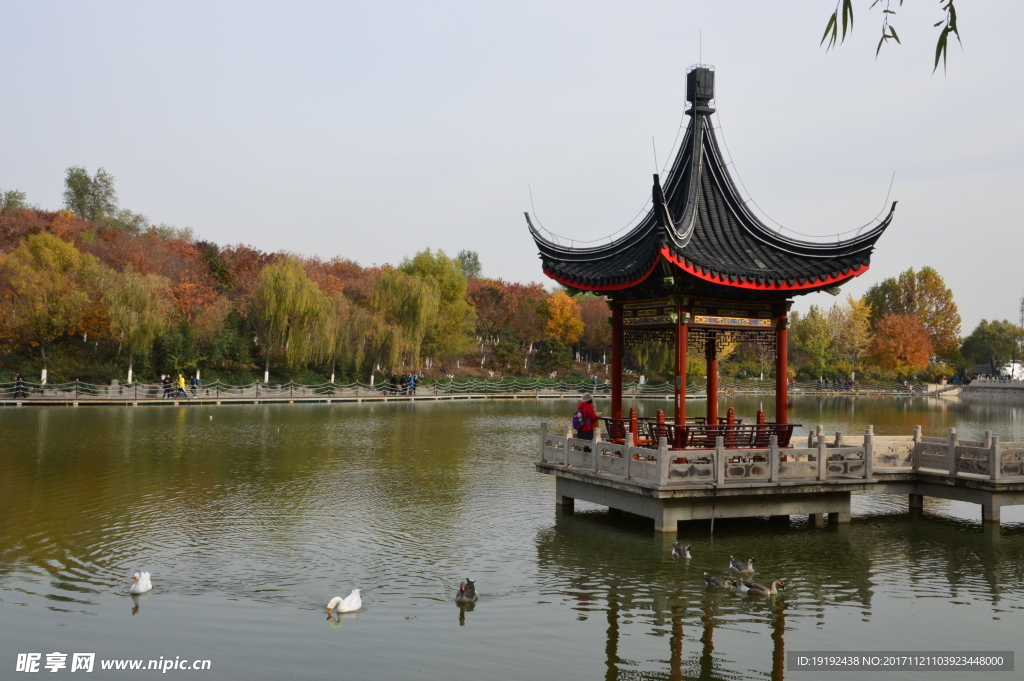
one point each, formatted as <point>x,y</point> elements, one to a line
<point>699,223</point>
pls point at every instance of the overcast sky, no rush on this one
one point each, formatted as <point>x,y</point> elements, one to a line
<point>374,130</point>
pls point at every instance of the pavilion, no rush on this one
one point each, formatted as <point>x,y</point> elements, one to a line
<point>700,270</point>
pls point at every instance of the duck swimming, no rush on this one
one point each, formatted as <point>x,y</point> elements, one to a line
<point>350,603</point>
<point>141,583</point>
<point>718,582</point>
<point>737,566</point>
<point>755,589</point>
<point>467,592</point>
<point>681,551</point>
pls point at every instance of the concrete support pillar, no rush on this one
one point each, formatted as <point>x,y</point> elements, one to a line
<point>916,502</point>
<point>990,513</point>
<point>666,521</point>
<point>568,504</point>
<point>839,518</point>
<point>817,519</point>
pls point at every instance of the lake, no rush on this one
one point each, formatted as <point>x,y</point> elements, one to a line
<point>251,517</point>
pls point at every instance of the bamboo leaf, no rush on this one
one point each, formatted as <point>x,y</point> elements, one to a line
<point>881,40</point>
<point>940,50</point>
<point>831,26</point>
<point>892,34</point>
<point>847,16</point>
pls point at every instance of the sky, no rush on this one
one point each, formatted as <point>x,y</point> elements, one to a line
<point>375,130</point>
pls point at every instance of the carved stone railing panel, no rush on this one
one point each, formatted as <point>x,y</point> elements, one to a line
<point>932,455</point>
<point>973,460</point>
<point>845,462</point>
<point>703,473</point>
<point>612,465</point>
<point>1011,461</point>
<point>893,452</point>
<point>554,449</point>
<point>798,464</point>
<point>747,465</point>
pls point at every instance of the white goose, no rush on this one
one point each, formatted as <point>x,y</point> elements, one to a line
<point>141,583</point>
<point>350,603</point>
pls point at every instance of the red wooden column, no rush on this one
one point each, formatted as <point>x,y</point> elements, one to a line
<point>616,360</point>
<point>711,353</point>
<point>782,371</point>
<point>681,339</point>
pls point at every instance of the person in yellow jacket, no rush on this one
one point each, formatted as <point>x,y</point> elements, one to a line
<point>181,385</point>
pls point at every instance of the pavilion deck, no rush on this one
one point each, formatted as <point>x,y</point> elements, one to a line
<point>672,484</point>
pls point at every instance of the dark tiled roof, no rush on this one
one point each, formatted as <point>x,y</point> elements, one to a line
<point>700,224</point>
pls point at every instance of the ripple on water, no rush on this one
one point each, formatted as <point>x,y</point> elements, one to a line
<point>406,502</point>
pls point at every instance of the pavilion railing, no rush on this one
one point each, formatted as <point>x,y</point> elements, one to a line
<point>821,458</point>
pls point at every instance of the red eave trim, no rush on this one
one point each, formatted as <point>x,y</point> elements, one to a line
<point>723,280</point>
<point>603,287</point>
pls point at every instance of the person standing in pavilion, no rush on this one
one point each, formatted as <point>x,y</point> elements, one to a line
<point>585,418</point>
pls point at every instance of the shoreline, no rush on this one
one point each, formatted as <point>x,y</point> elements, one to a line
<point>83,400</point>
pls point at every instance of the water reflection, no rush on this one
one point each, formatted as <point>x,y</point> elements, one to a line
<point>463,609</point>
<point>137,602</point>
<point>276,509</point>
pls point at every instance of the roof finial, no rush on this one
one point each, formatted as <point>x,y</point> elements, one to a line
<point>700,88</point>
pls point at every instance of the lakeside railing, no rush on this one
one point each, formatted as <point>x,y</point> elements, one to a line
<point>79,390</point>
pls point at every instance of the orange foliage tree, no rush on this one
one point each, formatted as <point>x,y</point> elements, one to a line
<point>565,323</point>
<point>901,344</point>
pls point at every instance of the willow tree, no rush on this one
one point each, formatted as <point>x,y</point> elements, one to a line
<point>406,308</point>
<point>450,336</point>
<point>346,332</point>
<point>288,311</point>
<point>139,308</point>
<point>48,287</point>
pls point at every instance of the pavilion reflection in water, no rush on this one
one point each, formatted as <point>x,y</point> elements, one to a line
<point>610,567</point>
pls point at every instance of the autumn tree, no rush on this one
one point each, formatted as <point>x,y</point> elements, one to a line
<point>901,344</point>
<point>139,309</point>
<point>450,336</point>
<point>993,343</point>
<point>530,319</point>
<point>923,295</point>
<point>207,327</point>
<point>565,323</point>
<point>288,312</point>
<point>48,289</point>
<point>597,332</point>
<point>852,335</point>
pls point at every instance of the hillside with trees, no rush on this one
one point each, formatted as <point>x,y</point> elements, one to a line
<point>96,292</point>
